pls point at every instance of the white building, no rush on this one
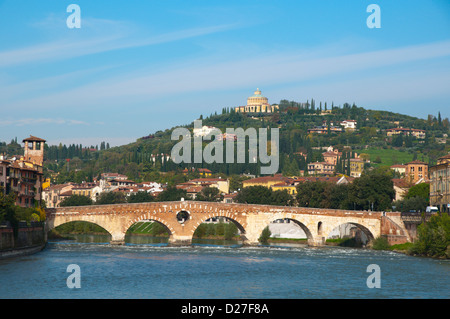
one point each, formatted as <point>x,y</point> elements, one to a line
<point>204,131</point>
<point>349,124</point>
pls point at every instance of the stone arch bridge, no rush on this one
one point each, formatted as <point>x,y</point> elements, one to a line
<point>250,219</point>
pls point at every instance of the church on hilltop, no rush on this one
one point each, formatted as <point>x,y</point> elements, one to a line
<point>257,103</point>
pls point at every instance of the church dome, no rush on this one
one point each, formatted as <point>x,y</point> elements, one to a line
<point>257,99</point>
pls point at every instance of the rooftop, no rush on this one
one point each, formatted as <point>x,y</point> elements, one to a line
<point>34,138</point>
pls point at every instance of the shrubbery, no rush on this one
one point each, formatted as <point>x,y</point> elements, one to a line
<point>433,238</point>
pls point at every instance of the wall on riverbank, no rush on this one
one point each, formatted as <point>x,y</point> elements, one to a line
<point>28,236</point>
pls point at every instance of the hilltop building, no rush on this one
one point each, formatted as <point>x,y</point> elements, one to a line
<point>349,125</point>
<point>406,131</point>
<point>257,103</point>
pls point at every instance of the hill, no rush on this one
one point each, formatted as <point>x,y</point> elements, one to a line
<point>147,158</point>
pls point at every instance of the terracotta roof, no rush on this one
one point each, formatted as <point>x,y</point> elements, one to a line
<point>445,156</point>
<point>68,193</point>
<point>208,180</point>
<point>34,138</point>
<point>417,162</point>
<point>401,182</point>
<point>265,179</point>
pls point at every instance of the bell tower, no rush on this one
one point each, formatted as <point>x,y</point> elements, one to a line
<point>34,150</point>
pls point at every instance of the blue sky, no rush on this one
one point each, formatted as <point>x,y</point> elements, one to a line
<point>135,67</point>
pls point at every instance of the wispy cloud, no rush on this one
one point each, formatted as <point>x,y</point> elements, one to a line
<point>274,69</point>
<point>39,121</point>
<point>67,48</point>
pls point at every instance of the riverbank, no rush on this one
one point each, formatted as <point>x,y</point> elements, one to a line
<point>23,251</point>
<point>24,240</point>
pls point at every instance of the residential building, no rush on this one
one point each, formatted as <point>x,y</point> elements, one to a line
<point>91,190</point>
<point>203,172</point>
<point>440,184</point>
<point>331,156</point>
<point>399,168</point>
<point>229,198</point>
<point>204,131</point>
<point>420,134</point>
<point>401,188</point>
<point>266,181</point>
<point>349,125</point>
<point>23,175</point>
<point>416,170</point>
<point>191,189</point>
<point>321,168</point>
<point>4,172</point>
<point>356,167</point>
<point>325,129</point>
<point>287,186</point>
<point>113,176</point>
<point>291,184</point>
<point>53,195</point>
<point>222,184</point>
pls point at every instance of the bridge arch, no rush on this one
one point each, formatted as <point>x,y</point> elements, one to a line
<point>81,228</point>
<point>368,231</point>
<point>236,221</point>
<point>53,223</point>
<point>145,217</point>
<point>302,224</point>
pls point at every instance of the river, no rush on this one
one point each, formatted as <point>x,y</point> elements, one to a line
<point>227,271</point>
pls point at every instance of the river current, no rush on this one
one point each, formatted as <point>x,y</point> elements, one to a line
<point>155,271</point>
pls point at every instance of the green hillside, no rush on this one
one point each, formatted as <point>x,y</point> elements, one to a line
<point>141,160</point>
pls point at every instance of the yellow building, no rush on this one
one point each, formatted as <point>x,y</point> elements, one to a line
<point>266,181</point>
<point>356,167</point>
<point>257,103</point>
<point>46,184</point>
<point>288,186</point>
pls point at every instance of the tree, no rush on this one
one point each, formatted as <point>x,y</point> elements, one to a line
<point>310,194</point>
<point>373,190</point>
<point>421,190</point>
<point>254,195</point>
<point>230,230</point>
<point>172,193</point>
<point>433,237</point>
<point>7,210</point>
<point>209,194</point>
<point>76,200</point>
<point>111,198</point>
<point>265,235</point>
<point>281,198</point>
<point>140,197</point>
